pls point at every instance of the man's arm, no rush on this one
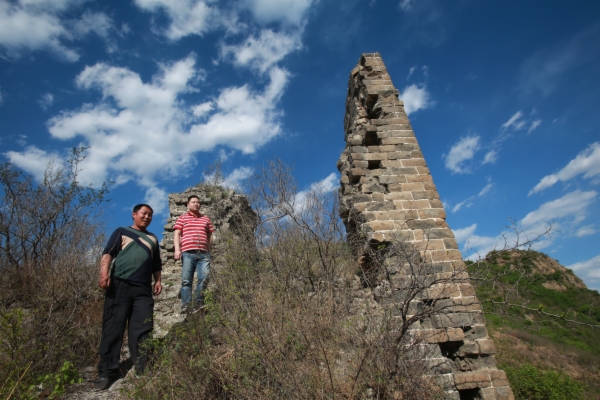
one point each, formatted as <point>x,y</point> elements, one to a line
<point>177,242</point>
<point>105,261</point>
<point>209,241</point>
<point>157,282</point>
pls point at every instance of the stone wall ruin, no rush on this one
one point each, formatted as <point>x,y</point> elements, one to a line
<point>387,194</point>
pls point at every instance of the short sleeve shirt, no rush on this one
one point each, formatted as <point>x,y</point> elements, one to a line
<point>194,231</point>
<point>137,255</point>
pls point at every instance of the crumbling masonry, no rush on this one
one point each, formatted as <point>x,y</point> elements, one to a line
<point>387,193</point>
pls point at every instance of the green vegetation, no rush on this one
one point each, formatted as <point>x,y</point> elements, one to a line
<point>510,286</point>
<point>531,383</point>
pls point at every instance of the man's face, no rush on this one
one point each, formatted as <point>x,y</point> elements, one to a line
<point>194,205</point>
<point>142,217</point>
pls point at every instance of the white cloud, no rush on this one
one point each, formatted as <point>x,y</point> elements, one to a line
<point>464,233</point>
<point>37,25</point>
<point>587,163</point>
<point>157,199</point>
<point>410,71</point>
<point>99,23</point>
<point>485,189</point>
<point>328,184</point>
<point>490,157</point>
<point>33,160</point>
<point>416,98</point>
<point>33,28</point>
<point>585,231</point>
<point>534,125</point>
<point>406,5</point>
<point>202,109</point>
<point>138,121</point>
<point>46,100</point>
<point>264,51</point>
<point>515,122</point>
<point>291,12</point>
<point>572,204</point>
<point>237,176</point>
<point>187,17</point>
<point>589,271</point>
<point>468,202</point>
<point>460,153</point>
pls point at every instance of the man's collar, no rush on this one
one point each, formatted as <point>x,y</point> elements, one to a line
<point>195,215</point>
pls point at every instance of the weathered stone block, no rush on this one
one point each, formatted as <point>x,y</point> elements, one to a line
<point>398,155</point>
<point>450,244</point>
<point>414,204</point>
<point>486,346</point>
<point>432,213</point>
<point>360,164</point>
<point>471,380</point>
<point>419,194</point>
<point>386,179</point>
<point>499,378</point>
<point>398,196</point>
<point>374,156</point>
<point>381,225</point>
<point>420,178</point>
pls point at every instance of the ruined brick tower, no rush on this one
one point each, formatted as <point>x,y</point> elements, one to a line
<point>387,193</point>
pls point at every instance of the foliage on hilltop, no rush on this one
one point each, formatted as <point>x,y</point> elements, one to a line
<point>544,320</point>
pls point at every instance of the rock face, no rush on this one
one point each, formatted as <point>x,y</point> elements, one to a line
<point>225,208</point>
<point>387,193</point>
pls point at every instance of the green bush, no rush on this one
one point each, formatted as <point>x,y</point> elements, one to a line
<point>531,383</point>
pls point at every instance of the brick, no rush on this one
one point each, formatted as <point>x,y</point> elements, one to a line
<point>504,393</point>
<point>423,171</point>
<point>394,127</point>
<point>420,194</point>
<point>420,178</point>
<point>432,213</point>
<point>398,155</point>
<point>373,187</point>
<point>443,255</point>
<point>429,185</point>
<point>402,215</point>
<point>374,156</point>
<point>357,172</point>
<point>361,207</point>
<point>466,289</point>
<point>358,149</point>
<point>415,204</point>
<point>443,291</point>
<point>373,149</point>
<point>413,187</point>
<point>378,196</point>
<point>408,147</point>
<point>387,148</point>
<point>455,335</point>
<point>486,346</point>
<point>345,179</point>
<point>499,378</point>
<point>360,164</point>
<point>381,225</point>
<point>398,196</point>
<point>436,204</point>
<point>450,244</point>
<point>392,179</point>
<point>390,163</point>
<point>471,380</point>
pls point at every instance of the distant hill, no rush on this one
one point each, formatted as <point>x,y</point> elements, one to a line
<point>555,330</point>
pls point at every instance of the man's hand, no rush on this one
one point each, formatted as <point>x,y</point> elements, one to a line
<point>177,254</point>
<point>157,287</point>
<point>104,282</point>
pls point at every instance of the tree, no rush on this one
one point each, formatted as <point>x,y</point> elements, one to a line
<point>49,241</point>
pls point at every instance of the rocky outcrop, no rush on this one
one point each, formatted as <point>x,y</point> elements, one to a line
<point>226,209</point>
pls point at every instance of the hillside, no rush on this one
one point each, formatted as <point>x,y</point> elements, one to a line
<point>541,313</point>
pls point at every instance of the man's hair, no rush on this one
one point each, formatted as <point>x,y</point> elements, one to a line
<point>139,207</point>
<point>192,197</point>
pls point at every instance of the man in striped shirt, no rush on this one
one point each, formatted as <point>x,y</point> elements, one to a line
<point>193,241</point>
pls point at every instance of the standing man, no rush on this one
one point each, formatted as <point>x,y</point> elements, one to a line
<point>129,291</point>
<point>193,241</point>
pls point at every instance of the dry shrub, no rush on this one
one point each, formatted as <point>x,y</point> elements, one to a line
<point>50,307</point>
<point>282,320</point>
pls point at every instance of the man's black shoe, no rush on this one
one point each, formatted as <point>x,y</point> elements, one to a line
<point>102,383</point>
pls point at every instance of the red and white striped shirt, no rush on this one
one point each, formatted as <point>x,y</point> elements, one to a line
<point>194,231</point>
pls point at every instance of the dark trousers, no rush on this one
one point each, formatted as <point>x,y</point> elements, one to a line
<point>125,304</point>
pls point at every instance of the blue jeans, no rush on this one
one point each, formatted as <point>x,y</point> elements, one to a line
<point>194,262</point>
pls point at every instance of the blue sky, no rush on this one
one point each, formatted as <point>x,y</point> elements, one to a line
<point>503,98</point>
